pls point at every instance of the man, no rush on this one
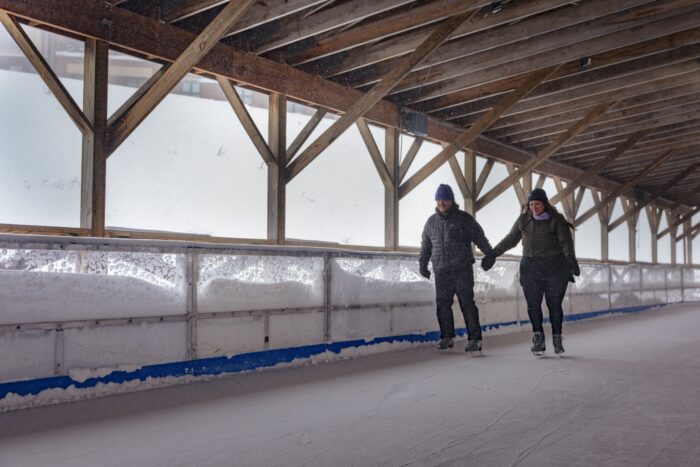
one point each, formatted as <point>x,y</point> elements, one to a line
<point>447,240</point>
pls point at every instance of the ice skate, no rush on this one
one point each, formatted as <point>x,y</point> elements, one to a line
<point>473,348</point>
<point>558,347</point>
<point>446,343</point>
<point>538,345</point>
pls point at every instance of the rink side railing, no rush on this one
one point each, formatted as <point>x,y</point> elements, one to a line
<point>80,312</point>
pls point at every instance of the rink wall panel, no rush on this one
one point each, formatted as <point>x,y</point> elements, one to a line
<point>127,310</point>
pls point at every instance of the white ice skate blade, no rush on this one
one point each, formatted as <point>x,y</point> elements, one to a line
<point>539,354</point>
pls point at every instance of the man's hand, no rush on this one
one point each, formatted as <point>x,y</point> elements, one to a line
<point>425,272</point>
<point>488,261</point>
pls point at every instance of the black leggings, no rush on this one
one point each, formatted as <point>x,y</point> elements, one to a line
<point>548,277</point>
<point>447,284</point>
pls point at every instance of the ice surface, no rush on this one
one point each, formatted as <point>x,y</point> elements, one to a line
<point>620,397</point>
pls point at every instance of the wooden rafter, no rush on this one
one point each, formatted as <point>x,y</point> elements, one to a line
<point>375,95</point>
<point>45,72</point>
<point>475,130</point>
<point>374,152</point>
<point>374,30</point>
<point>405,43</point>
<point>519,192</point>
<point>123,127</point>
<point>409,157</point>
<point>483,176</point>
<point>247,121</point>
<point>276,182</point>
<point>555,30</point>
<point>640,205</point>
<point>630,183</point>
<point>545,153</point>
<point>129,103</point>
<point>305,132</point>
<point>327,20</point>
<point>598,166</point>
<point>556,56</point>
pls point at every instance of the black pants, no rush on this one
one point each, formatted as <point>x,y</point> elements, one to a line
<point>459,281</point>
<point>548,277</point>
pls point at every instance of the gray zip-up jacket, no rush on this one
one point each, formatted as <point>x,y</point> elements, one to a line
<point>447,240</point>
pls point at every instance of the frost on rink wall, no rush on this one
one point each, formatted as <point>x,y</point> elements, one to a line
<point>82,313</point>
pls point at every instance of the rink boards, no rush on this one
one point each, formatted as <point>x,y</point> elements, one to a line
<point>79,313</point>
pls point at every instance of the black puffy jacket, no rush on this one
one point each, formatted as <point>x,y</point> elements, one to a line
<point>447,240</point>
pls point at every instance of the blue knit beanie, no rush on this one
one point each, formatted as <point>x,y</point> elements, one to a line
<point>538,194</point>
<point>444,192</point>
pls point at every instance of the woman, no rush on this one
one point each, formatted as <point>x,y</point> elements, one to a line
<point>547,264</point>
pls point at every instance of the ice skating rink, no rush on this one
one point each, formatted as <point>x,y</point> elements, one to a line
<point>626,394</point>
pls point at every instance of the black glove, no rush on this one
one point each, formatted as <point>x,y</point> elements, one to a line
<point>573,265</point>
<point>425,272</point>
<point>488,261</point>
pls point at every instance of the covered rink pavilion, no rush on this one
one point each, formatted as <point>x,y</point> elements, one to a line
<point>194,191</point>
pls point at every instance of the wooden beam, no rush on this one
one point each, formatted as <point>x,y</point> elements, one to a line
<point>44,230</point>
<point>459,178</point>
<point>470,179</point>
<point>475,130</point>
<point>555,30</point>
<point>151,39</point>
<point>483,176</point>
<point>370,99</point>
<point>276,180</point>
<point>682,218</point>
<point>45,72</point>
<point>123,127</point>
<point>540,181</point>
<point>545,153</point>
<point>404,43</point>
<point>391,191</point>
<point>653,218</point>
<point>519,192</point>
<point>598,166</point>
<point>409,157</point>
<point>305,133</point>
<point>94,151</point>
<point>566,201</point>
<point>630,183</point>
<point>556,56</point>
<point>124,108</point>
<point>345,13</point>
<point>247,121</point>
<point>373,30</point>
<point>374,152</point>
<point>640,205</point>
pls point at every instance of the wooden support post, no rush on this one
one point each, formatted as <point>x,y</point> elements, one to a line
<point>687,243</point>
<point>94,153</point>
<point>631,218</point>
<point>470,179</point>
<point>670,219</point>
<point>391,192</point>
<point>276,179</point>
<point>653,217</point>
<point>604,212</point>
